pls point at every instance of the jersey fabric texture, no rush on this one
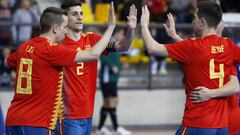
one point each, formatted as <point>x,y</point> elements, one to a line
<point>234,115</point>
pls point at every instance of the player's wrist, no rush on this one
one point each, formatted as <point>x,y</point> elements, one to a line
<point>177,38</point>
<point>213,93</point>
<point>144,26</point>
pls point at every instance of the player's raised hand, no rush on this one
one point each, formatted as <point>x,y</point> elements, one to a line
<point>111,18</point>
<point>170,26</point>
<point>132,17</point>
<point>200,94</point>
<point>145,16</point>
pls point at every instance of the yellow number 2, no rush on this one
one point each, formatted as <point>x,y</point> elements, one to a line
<point>214,75</point>
<point>81,65</point>
<point>25,75</point>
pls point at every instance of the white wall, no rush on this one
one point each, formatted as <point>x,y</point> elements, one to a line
<point>136,107</point>
<point>143,107</point>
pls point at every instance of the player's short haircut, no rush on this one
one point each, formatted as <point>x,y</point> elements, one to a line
<point>50,17</point>
<point>66,4</point>
<point>211,12</point>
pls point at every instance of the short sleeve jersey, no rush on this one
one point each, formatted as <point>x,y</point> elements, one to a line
<point>80,80</point>
<point>38,88</point>
<point>206,62</point>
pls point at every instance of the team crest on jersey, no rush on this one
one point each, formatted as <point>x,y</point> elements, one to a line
<point>51,43</point>
<point>85,34</point>
<point>78,49</point>
<point>87,47</point>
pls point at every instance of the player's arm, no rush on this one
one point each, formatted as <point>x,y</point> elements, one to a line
<point>202,94</point>
<point>125,43</point>
<point>11,60</point>
<point>153,46</point>
<point>95,52</point>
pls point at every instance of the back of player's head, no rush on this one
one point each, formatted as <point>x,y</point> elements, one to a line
<point>211,12</point>
<point>50,17</point>
<point>66,4</point>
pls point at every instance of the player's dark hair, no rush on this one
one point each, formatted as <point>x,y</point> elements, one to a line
<point>211,12</point>
<point>50,17</point>
<point>66,4</point>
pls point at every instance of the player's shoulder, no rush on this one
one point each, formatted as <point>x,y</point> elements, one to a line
<point>52,44</point>
<point>227,39</point>
<point>41,42</point>
<point>190,41</point>
<point>90,35</point>
<point>193,39</point>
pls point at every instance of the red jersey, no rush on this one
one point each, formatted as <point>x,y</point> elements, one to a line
<point>234,115</point>
<point>233,101</point>
<point>80,80</point>
<point>206,62</point>
<point>38,88</point>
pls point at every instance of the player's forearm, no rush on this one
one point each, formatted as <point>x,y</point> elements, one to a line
<point>125,43</point>
<point>228,89</point>
<point>95,52</point>
<point>153,47</point>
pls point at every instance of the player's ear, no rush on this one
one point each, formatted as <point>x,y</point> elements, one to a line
<point>202,21</point>
<point>55,28</point>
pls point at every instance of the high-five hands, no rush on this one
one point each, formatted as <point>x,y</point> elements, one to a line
<point>112,18</point>
<point>132,17</point>
<point>145,16</point>
<point>170,28</point>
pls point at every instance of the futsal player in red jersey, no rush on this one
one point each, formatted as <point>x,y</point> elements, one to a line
<point>80,79</point>
<point>202,94</point>
<point>37,103</point>
<point>206,61</point>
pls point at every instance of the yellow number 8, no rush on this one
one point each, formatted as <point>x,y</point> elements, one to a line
<point>25,74</point>
<point>214,75</point>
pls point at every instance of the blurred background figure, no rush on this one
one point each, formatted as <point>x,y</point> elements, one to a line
<point>5,17</point>
<point>183,9</point>
<point>24,14</point>
<point>6,74</point>
<point>124,10</point>
<point>158,9</point>
<point>109,76</point>
<point>2,127</point>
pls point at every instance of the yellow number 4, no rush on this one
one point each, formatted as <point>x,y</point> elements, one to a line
<point>214,75</point>
<point>25,75</point>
